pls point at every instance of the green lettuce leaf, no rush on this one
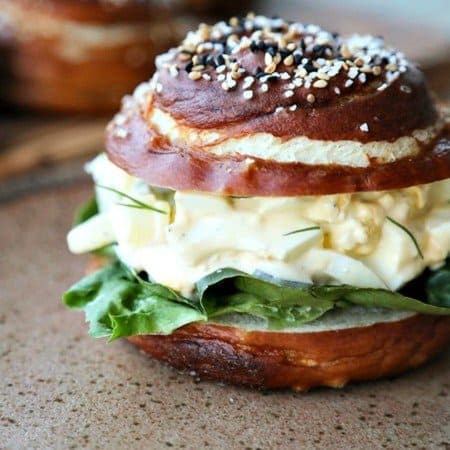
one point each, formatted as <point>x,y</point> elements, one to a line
<point>86,211</point>
<point>438,287</point>
<point>118,303</point>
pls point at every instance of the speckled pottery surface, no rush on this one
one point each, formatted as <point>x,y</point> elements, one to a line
<point>63,389</point>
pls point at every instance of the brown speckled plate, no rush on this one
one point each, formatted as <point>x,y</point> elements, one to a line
<point>63,389</point>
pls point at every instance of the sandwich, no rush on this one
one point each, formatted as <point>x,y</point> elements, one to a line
<point>273,210</point>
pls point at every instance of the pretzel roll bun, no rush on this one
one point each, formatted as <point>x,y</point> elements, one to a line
<point>239,116</point>
<point>80,55</point>
<point>300,361</point>
<point>259,106</point>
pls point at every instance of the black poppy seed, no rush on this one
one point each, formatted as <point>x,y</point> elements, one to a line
<point>254,47</point>
<point>335,34</point>
<point>259,72</point>
<point>220,60</point>
<point>302,45</point>
<point>321,50</point>
<point>210,61</point>
<point>273,77</point>
<point>262,46</point>
<point>309,66</point>
<point>203,60</point>
<point>297,58</point>
<point>284,52</point>
<point>384,60</point>
<point>272,50</point>
<point>189,66</point>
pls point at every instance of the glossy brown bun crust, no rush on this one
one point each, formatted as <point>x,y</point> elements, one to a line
<point>145,154</point>
<point>300,361</point>
<point>258,75</point>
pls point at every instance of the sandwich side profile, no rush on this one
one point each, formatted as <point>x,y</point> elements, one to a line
<point>273,210</point>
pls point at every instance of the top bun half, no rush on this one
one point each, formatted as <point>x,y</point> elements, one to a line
<point>260,106</point>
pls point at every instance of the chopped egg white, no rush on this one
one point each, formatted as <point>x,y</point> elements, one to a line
<point>339,239</point>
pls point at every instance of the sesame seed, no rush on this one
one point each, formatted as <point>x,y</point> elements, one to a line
<point>292,107</point>
<point>348,83</point>
<point>264,87</point>
<point>231,83</point>
<point>235,67</point>
<point>405,88</point>
<point>120,119</point>
<point>391,67</point>
<point>310,98</point>
<point>206,77</point>
<point>225,86</point>
<point>291,46</point>
<point>194,75</point>
<point>366,69</point>
<point>345,51</point>
<point>382,87</point>
<point>221,77</point>
<point>302,72</point>
<point>323,76</point>
<point>288,61</point>
<point>173,71</point>
<point>353,72</point>
<point>234,22</point>
<point>279,109</point>
<point>184,56</point>
<point>248,81</point>
<point>270,68</point>
<point>285,76</point>
<point>268,59</point>
<point>364,127</point>
<point>220,69</point>
<point>248,94</point>
<point>337,90</point>
<point>362,77</point>
<point>376,70</point>
<point>320,84</point>
<point>121,133</point>
<point>289,93</point>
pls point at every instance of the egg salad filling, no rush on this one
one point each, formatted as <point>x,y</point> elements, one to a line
<point>283,261</point>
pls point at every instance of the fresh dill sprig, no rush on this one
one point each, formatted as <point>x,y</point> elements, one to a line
<point>301,230</point>
<point>135,202</point>
<point>402,227</point>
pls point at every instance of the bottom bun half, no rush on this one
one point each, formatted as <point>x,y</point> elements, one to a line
<point>300,361</point>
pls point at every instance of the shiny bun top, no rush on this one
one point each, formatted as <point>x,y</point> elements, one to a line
<point>270,75</point>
